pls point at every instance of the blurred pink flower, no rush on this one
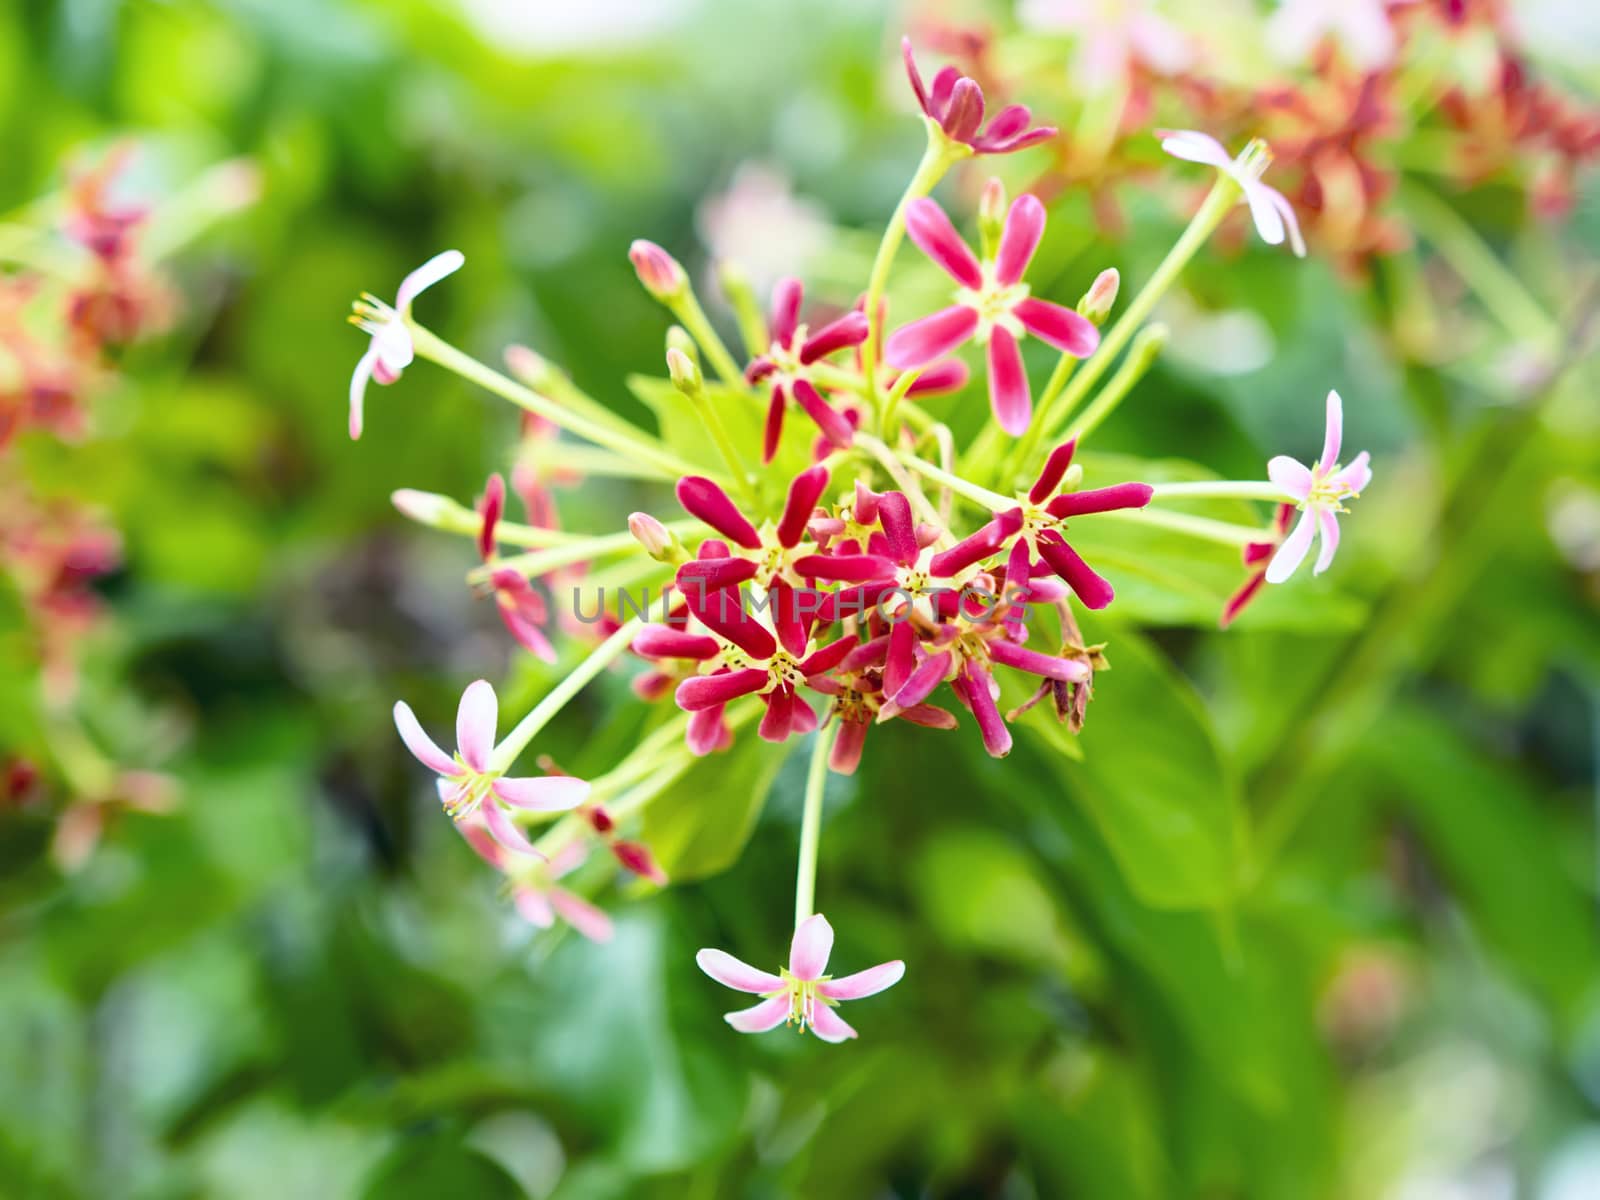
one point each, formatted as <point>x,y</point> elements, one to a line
<point>390,351</point>
<point>993,306</point>
<point>791,997</point>
<point>1362,29</point>
<point>1114,36</point>
<point>1320,491</point>
<point>533,887</point>
<point>1269,208</point>
<point>466,782</point>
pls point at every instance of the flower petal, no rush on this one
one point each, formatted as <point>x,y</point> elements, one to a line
<point>1358,474</point>
<point>808,952</point>
<point>662,641</point>
<point>1334,434</point>
<point>1269,221</point>
<point>1098,500</point>
<point>979,695</point>
<point>769,1014</point>
<point>1194,146</point>
<point>1008,383</point>
<point>787,295</point>
<point>476,718</point>
<point>1292,476</point>
<point>1020,238</point>
<point>1293,551</point>
<point>544,793</point>
<point>830,1026</point>
<point>833,423</point>
<point>588,920</point>
<point>931,337</point>
<point>429,273</point>
<point>505,830</point>
<point>845,754</point>
<point>423,747</point>
<point>920,684</point>
<point>1279,201</point>
<point>1328,529</point>
<point>773,430</point>
<point>804,493</point>
<point>702,498</point>
<point>534,905</point>
<point>708,691</point>
<point>1068,331</point>
<point>1009,654</point>
<point>930,229</point>
<point>894,518</point>
<point>848,330</point>
<point>359,378</point>
<point>1094,591</point>
<point>863,983</point>
<point>1055,467</point>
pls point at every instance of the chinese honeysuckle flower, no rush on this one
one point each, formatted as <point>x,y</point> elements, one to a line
<point>954,103</point>
<point>466,783</point>
<point>533,886</point>
<point>992,306</point>
<point>1269,208</point>
<point>800,994</point>
<point>390,351</point>
<point>1320,491</point>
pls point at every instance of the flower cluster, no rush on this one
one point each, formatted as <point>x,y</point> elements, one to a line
<point>824,581</point>
<point>88,287</point>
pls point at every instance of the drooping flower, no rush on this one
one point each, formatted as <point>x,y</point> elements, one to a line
<point>1320,490</point>
<point>391,351</point>
<point>1256,556</point>
<point>992,306</point>
<point>793,350</point>
<point>520,604</point>
<point>1269,208</point>
<point>533,885</point>
<point>466,782</point>
<point>954,103</point>
<point>799,994</point>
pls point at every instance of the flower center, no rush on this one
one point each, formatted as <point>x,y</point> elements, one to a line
<point>993,304</point>
<point>471,788</point>
<point>1328,490</point>
<point>803,997</point>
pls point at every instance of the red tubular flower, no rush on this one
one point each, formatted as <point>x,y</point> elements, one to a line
<point>520,605</point>
<point>992,306</point>
<point>955,104</point>
<point>795,348</point>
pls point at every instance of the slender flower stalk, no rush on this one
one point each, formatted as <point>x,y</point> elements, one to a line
<point>433,348</point>
<point>515,742</point>
<point>1218,203</point>
<point>1221,489</point>
<point>805,882</point>
<point>1224,533</point>
<point>1140,357</point>
<point>573,550</point>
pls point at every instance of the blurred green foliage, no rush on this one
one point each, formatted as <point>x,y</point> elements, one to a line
<point>303,984</point>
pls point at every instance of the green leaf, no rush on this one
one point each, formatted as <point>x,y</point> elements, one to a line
<point>1152,779</point>
<point>426,1168</point>
<point>698,826</point>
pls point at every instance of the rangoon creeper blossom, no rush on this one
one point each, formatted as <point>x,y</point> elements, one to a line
<point>954,103</point>
<point>390,351</point>
<point>799,994</point>
<point>993,307</point>
<point>1320,491</point>
<point>468,785</point>
<point>1269,208</point>
<point>785,365</point>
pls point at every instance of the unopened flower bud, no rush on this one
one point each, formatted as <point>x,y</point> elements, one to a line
<point>636,857</point>
<point>1102,295</point>
<point>678,339</point>
<point>651,534</point>
<point>432,509</point>
<point>1073,478</point>
<point>599,819</point>
<point>685,372</point>
<point>660,273</point>
<point>992,215</point>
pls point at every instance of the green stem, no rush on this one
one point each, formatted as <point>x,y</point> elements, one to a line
<point>805,883</point>
<point>1143,352</point>
<point>1223,489</point>
<point>892,402</point>
<point>1023,451</point>
<point>435,349</point>
<point>564,555</point>
<point>993,501</point>
<point>1219,201</point>
<point>528,728</point>
<point>701,399</point>
<point>941,154</point>
<point>1496,285</point>
<point>1223,532</point>
<point>693,318</point>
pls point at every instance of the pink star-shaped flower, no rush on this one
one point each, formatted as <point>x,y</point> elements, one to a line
<point>390,352</point>
<point>800,994</point>
<point>1320,490</point>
